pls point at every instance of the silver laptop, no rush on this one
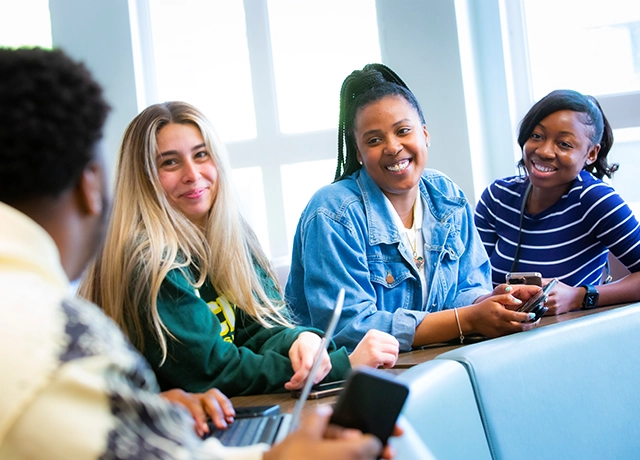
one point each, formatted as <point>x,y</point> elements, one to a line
<point>271,429</point>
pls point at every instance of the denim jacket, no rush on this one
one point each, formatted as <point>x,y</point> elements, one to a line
<point>346,238</point>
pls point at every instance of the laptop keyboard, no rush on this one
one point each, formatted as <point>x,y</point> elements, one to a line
<point>247,431</point>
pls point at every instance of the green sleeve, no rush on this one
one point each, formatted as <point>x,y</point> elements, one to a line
<point>249,335</point>
<point>259,339</point>
<point>199,359</point>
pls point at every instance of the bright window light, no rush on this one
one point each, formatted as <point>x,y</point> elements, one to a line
<point>299,182</point>
<point>25,23</point>
<point>315,46</point>
<point>201,57</point>
<point>250,193</point>
<point>583,45</point>
<point>625,150</point>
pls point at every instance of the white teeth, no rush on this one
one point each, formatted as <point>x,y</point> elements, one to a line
<point>542,168</point>
<point>399,166</point>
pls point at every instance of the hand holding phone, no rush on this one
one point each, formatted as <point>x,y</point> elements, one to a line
<point>370,402</point>
<point>534,278</point>
<point>536,303</point>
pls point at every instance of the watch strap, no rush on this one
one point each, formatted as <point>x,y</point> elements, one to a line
<point>591,297</point>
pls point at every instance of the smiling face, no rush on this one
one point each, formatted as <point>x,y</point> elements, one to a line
<point>186,171</point>
<point>557,150</point>
<point>392,146</point>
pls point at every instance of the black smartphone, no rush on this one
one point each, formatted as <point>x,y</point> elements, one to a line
<point>534,278</point>
<point>371,402</point>
<point>536,303</point>
<point>322,390</point>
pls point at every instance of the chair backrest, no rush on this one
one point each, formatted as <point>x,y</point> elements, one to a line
<point>441,410</point>
<point>568,390</point>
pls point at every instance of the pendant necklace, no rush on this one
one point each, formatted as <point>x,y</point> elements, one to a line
<point>418,260</point>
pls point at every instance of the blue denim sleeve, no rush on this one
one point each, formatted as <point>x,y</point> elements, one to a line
<point>330,253</point>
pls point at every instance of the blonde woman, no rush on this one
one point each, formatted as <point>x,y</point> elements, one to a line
<point>185,277</point>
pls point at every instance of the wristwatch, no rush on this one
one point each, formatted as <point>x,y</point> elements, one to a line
<point>590,298</point>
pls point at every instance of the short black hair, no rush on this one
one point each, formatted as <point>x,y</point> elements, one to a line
<point>361,88</point>
<point>51,117</point>
<point>592,116</point>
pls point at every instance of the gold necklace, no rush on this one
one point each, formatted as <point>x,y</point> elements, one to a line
<point>418,260</point>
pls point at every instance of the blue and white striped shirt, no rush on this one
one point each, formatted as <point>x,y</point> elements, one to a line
<point>569,240</point>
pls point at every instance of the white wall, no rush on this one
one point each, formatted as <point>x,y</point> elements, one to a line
<point>98,33</point>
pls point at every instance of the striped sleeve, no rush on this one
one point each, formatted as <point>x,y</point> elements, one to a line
<point>613,223</point>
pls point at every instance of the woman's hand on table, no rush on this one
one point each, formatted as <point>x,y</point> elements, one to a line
<point>564,298</point>
<point>211,404</point>
<point>302,354</point>
<point>376,349</point>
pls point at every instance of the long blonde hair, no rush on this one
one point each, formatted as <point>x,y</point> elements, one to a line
<point>147,237</point>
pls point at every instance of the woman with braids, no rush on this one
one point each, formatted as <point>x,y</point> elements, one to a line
<point>400,239</point>
<point>184,276</point>
<point>559,218</point>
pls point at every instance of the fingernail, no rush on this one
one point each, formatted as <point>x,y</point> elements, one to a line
<point>532,315</point>
<point>516,300</point>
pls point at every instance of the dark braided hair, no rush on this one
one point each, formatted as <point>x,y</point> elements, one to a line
<point>360,88</point>
<point>592,115</point>
<point>51,117</point>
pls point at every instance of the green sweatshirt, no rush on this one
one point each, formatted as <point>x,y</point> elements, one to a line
<point>217,345</point>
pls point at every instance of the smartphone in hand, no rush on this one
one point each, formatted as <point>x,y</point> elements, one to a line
<point>371,402</point>
<point>534,278</point>
<point>536,303</point>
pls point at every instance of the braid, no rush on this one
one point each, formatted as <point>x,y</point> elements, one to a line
<point>360,88</point>
<point>387,73</point>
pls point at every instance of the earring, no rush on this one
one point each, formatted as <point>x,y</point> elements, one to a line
<point>428,144</point>
<point>360,162</point>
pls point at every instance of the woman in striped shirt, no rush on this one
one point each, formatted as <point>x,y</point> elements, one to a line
<point>560,218</point>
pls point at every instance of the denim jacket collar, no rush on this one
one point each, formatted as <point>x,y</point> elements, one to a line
<point>440,206</point>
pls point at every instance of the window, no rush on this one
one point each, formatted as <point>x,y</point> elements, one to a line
<point>581,45</point>
<point>25,23</point>
<point>268,76</point>
<point>249,191</point>
<point>299,182</point>
<point>625,152</point>
<point>315,46</point>
<point>201,57</point>
<point>591,48</point>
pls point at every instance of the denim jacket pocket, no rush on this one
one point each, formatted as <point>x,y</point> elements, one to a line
<point>393,282</point>
<point>389,274</point>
